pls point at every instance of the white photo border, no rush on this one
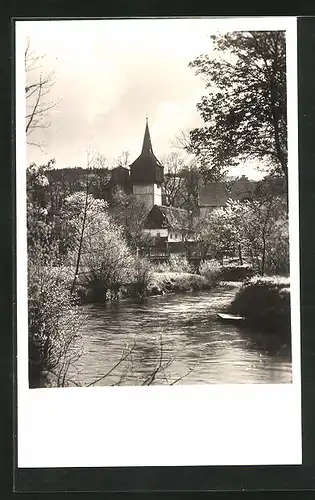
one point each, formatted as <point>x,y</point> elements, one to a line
<point>161,426</point>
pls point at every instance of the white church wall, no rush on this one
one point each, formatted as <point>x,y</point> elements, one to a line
<point>150,194</point>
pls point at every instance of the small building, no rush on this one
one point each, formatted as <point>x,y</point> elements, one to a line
<point>212,196</point>
<point>242,189</point>
<point>120,180</point>
<point>169,226</point>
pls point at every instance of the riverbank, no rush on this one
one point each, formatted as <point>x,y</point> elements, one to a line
<point>163,279</point>
<point>176,282</point>
<point>159,283</point>
<point>265,304</point>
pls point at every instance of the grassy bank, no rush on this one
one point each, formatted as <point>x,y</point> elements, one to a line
<point>177,276</point>
<point>176,282</point>
<point>265,303</point>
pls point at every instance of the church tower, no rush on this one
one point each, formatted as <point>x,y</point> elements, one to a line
<point>147,174</point>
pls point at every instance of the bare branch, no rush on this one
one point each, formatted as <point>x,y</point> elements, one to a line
<point>122,358</point>
<point>186,374</point>
<point>35,92</point>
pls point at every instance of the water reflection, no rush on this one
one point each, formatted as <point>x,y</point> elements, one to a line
<point>184,330</point>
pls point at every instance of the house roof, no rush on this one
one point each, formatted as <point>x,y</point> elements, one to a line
<point>242,187</point>
<point>119,176</point>
<point>161,216</point>
<point>213,194</point>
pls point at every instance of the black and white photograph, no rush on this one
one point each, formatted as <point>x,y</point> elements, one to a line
<point>157,204</point>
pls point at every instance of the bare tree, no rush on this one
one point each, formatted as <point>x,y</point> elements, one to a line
<point>173,178</point>
<point>38,86</point>
<point>182,140</point>
<point>123,159</point>
<point>182,181</point>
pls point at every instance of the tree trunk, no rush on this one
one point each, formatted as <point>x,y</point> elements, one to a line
<point>81,237</point>
<point>263,258</point>
<point>240,254</point>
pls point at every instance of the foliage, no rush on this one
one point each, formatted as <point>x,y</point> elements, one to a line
<point>214,235</point>
<point>171,282</point>
<point>211,270</point>
<point>261,228</point>
<point>141,275</point>
<point>175,264</point>
<point>106,259</point>
<point>255,230</point>
<point>54,323</point>
<point>40,226</point>
<point>265,303</point>
<point>129,213</point>
<point>245,110</point>
<point>232,272</point>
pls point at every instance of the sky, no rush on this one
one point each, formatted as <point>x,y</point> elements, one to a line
<point>110,74</point>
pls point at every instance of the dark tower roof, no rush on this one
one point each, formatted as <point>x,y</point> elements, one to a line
<point>147,145</point>
<point>146,169</point>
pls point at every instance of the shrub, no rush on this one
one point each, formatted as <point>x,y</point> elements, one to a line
<point>211,270</point>
<point>176,282</point>
<point>265,303</point>
<point>141,276</point>
<point>53,326</point>
<point>179,264</point>
<point>175,264</point>
<point>106,259</point>
<point>236,272</point>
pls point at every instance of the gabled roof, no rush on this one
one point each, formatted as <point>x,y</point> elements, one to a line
<point>213,194</point>
<point>161,217</point>
<point>175,218</point>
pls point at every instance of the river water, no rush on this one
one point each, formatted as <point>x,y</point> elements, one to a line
<point>177,339</point>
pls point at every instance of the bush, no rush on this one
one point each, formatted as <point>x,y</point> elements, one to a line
<point>141,276</point>
<point>53,326</point>
<point>176,282</point>
<point>106,259</point>
<point>211,270</point>
<point>265,303</point>
<point>175,264</point>
<point>236,272</point>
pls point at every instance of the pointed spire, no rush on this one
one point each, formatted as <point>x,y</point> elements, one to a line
<point>147,146</point>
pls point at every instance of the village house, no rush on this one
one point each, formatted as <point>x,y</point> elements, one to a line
<point>169,225</point>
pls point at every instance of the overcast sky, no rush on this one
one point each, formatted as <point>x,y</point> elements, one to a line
<point>109,75</point>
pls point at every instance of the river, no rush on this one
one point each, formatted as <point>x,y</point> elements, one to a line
<point>176,339</point>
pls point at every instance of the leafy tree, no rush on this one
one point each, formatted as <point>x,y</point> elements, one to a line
<point>40,227</point>
<point>214,235</point>
<point>244,112</point>
<point>264,234</point>
<point>80,212</point>
<point>54,322</point>
<point>260,229</point>
<point>129,213</point>
<point>106,258</point>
